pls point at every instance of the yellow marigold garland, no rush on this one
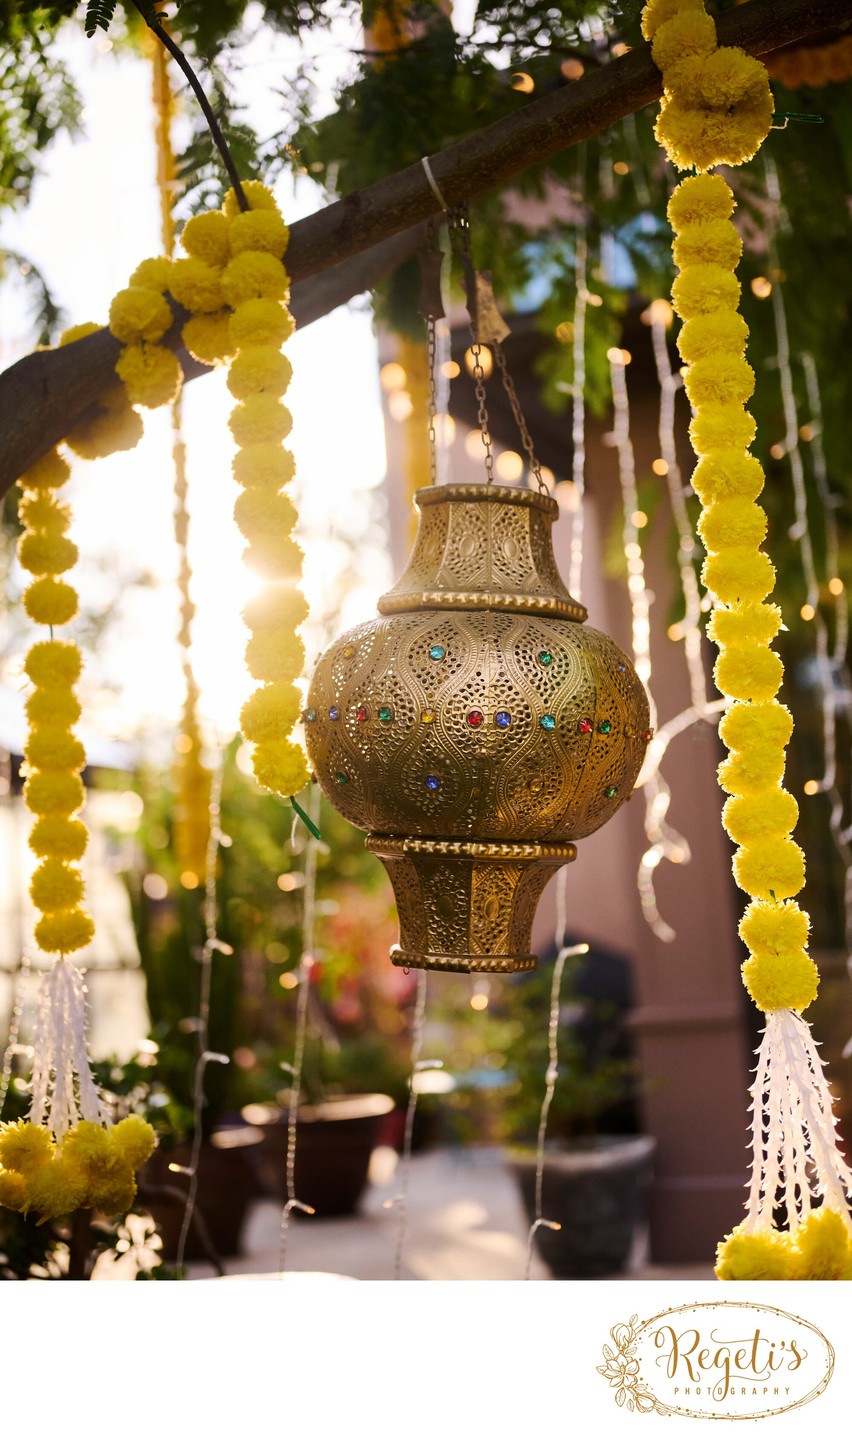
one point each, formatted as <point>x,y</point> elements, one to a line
<point>717,109</point>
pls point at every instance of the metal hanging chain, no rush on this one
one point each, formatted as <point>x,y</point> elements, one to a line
<point>431,363</point>
<point>431,308</point>
<point>523,430</point>
<point>459,225</point>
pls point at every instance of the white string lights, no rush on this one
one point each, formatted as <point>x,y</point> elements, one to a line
<point>400,1200</point>
<point>664,842</point>
<point>306,963</point>
<point>834,691</point>
<point>578,420</point>
<point>212,945</point>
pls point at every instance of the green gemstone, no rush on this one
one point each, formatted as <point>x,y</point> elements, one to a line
<point>605,726</point>
<point>545,657</point>
<point>611,791</point>
<point>386,714</point>
<point>341,778</point>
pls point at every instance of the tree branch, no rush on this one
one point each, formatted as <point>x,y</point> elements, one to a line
<point>347,247</point>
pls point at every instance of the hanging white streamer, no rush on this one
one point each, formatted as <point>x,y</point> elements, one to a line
<point>63,1089</point>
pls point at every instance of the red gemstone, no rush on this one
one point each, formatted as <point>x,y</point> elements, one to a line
<point>585,726</point>
<point>648,734</point>
<point>361,714</point>
<point>475,718</point>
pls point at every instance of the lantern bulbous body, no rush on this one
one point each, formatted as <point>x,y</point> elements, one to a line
<point>476,729</point>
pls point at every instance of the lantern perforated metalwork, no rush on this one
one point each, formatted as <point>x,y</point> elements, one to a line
<point>476,729</point>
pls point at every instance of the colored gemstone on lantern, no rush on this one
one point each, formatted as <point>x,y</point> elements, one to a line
<point>475,718</point>
<point>535,786</point>
<point>437,651</point>
<point>611,791</point>
<point>310,716</point>
<point>585,726</point>
<point>547,721</point>
<point>432,781</point>
<point>502,719</point>
<point>362,713</point>
<point>334,712</point>
<point>428,716</point>
<point>545,657</point>
<point>648,734</point>
<point>605,726</point>
<point>622,668</point>
<point>386,714</point>
<point>349,651</point>
<point>341,778</point>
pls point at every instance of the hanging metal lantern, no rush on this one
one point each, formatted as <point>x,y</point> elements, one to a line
<point>476,729</point>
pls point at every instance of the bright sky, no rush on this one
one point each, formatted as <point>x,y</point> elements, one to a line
<point>94,216</point>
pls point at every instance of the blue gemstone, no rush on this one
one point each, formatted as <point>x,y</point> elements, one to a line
<point>437,651</point>
<point>622,668</point>
<point>310,716</point>
<point>502,719</point>
<point>334,712</point>
<point>548,721</point>
<point>432,781</point>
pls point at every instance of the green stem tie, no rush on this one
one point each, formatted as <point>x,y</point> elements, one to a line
<point>306,819</point>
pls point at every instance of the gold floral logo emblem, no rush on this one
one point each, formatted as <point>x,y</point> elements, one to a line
<point>722,1360</point>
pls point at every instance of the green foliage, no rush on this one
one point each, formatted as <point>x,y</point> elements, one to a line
<point>99,14</point>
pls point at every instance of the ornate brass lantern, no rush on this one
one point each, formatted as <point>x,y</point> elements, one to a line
<point>476,729</point>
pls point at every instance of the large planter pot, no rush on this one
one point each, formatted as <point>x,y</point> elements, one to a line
<point>597,1190</point>
<point>334,1141</point>
<point>227,1183</point>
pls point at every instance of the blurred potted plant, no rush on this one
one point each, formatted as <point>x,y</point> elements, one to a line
<point>597,1164</point>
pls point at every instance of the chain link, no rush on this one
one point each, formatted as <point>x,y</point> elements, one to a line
<point>526,437</point>
<point>459,225</point>
<point>431,363</point>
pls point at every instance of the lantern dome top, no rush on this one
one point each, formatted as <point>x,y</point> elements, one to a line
<point>492,551</point>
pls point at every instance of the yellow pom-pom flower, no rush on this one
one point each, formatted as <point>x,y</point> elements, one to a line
<point>55,885</point>
<point>279,559</point>
<point>24,1147</point>
<point>721,426</point>
<point>264,517</point>
<point>257,195</point>
<point>732,523</point>
<point>53,704</point>
<point>749,771</point>
<point>50,746</point>
<point>281,766</point>
<point>700,198</point>
<point>208,337</point>
<point>720,332</point>
<point>259,369</point>
<point>770,868</point>
<point>753,726</point>
<point>153,274</point>
<point>726,473</point>
<point>771,928</point>
<point>64,931</point>
<point>53,661</point>
<point>13,1190</point>
<point>56,1189</point>
<point>266,465</point>
<point>46,553</point>
<point>59,838</point>
<point>151,374</point>
<point>738,574</point>
<point>54,793</point>
<point>274,656</point>
<point>258,230</point>
<point>49,472</point>
<point>205,237</point>
<point>78,332</point>
<point>39,510</point>
<point>719,379</point>
<point>114,425</point>
<point>196,285</point>
<point>50,601</point>
<point>270,712</point>
<point>657,12</point>
<point>277,606</point>
<point>745,624</point>
<point>115,1193</point>
<point>139,314</point>
<point>258,419</point>
<point>702,289</point>
<point>260,322</point>
<point>781,981</point>
<point>824,1246</point>
<point>767,815</point>
<point>254,275</point>
<point>748,672</point>
<point>755,1256</point>
<point>708,242</point>
<point>689,32</point>
<point>133,1140</point>
<point>730,77</point>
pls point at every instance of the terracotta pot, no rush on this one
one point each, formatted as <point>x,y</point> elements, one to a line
<point>597,1190</point>
<point>227,1183</point>
<point>334,1141</point>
